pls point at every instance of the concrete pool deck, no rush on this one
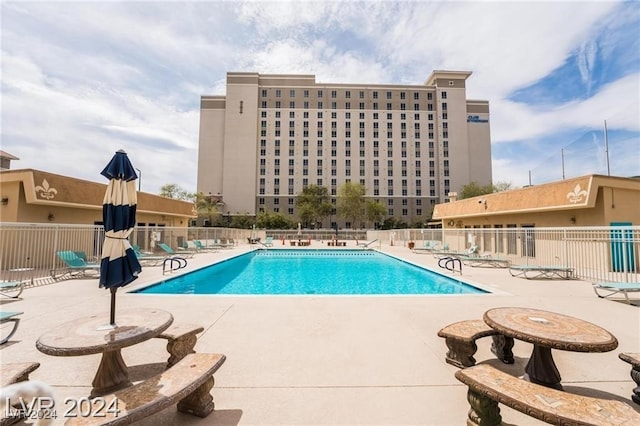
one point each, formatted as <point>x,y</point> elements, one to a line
<point>311,360</point>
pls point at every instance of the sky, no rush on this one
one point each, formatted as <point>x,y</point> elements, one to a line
<point>81,80</point>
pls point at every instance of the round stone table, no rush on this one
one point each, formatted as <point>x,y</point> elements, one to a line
<point>549,330</point>
<point>92,335</point>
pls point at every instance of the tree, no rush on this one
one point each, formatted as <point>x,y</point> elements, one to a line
<point>351,203</point>
<point>313,204</point>
<point>273,220</point>
<point>472,189</point>
<point>173,190</point>
<point>502,186</point>
<point>375,211</point>
<point>206,207</point>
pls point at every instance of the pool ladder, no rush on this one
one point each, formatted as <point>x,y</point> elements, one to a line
<point>175,263</point>
<point>449,263</point>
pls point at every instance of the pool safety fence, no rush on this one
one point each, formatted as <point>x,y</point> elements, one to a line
<point>611,253</point>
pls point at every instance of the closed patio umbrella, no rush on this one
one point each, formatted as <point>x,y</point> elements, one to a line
<point>119,265</point>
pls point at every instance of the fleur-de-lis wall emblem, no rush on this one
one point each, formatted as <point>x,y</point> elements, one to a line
<point>577,194</point>
<point>45,191</point>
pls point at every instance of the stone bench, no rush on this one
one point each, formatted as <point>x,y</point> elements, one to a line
<point>181,341</point>
<point>13,373</point>
<point>489,386</point>
<point>460,338</point>
<point>16,372</point>
<point>187,383</point>
<point>634,360</point>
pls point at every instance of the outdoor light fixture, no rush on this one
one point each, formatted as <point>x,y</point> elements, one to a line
<point>4,201</point>
<point>572,219</point>
<point>51,217</point>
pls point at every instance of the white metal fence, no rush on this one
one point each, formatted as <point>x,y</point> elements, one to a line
<point>29,250</point>
<point>595,253</point>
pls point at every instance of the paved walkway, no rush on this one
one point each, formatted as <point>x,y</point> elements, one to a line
<point>311,360</point>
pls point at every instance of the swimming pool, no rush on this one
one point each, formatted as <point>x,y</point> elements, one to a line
<point>300,272</point>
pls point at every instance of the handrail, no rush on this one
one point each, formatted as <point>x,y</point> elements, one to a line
<point>449,263</point>
<point>180,261</point>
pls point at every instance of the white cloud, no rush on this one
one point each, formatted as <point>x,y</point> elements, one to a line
<point>86,79</point>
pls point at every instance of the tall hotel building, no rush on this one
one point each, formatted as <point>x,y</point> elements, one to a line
<point>409,145</point>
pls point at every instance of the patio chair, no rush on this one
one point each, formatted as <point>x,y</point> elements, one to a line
<point>172,252</point>
<point>268,242</point>
<point>616,288</point>
<point>200,246</point>
<point>75,265</point>
<point>148,259</point>
<point>9,317</point>
<point>11,289</point>
<point>531,272</point>
<point>429,246</point>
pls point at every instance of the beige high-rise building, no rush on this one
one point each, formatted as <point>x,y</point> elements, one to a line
<point>409,145</point>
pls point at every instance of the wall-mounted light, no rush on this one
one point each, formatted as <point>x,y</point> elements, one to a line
<point>451,223</point>
<point>51,217</point>
<point>4,201</point>
<point>572,219</point>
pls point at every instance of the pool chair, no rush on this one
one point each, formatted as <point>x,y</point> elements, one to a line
<point>486,261</point>
<point>76,266</point>
<point>429,246</point>
<point>615,288</point>
<point>148,259</point>
<point>6,318</point>
<point>179,252</point>
<point>200,246</point>
<point>225,243</point>
<point>11,289</point>
<point>532,272</point>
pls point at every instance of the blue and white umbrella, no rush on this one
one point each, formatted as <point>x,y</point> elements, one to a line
<point>119,265</point>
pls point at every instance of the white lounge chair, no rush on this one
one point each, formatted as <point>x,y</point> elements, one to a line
<point>11,289</point>
<point>615,288</point>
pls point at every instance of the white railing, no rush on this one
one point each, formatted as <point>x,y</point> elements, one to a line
<point>595,253</point>
<point>29,250</point>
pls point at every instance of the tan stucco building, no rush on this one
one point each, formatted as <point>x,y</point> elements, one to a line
<point>409,145</point>
<point>592,200</point>
<point>34,196</point>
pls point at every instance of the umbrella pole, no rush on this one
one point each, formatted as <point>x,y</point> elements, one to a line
<point>112,318</point>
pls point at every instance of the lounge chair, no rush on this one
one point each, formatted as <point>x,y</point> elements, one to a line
<point>445,252</point>
<point>531,272</point>
<point>9,317</point>
<point>429,246</point>
<point>615,288</point>
<point>76,265</point>
<point>178,252</point>
<point>202,247</point>
<point>268,242</point>
<point>11,289</point>
<point>224,243</point>
<point>485,261</point>
<point>148,259</point>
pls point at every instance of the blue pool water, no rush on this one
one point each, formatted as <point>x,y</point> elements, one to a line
<point>282,272</point>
